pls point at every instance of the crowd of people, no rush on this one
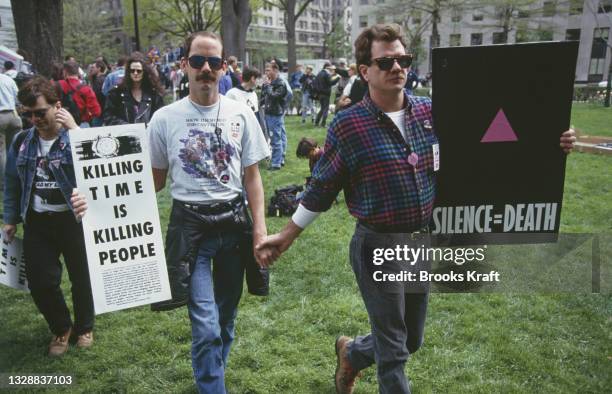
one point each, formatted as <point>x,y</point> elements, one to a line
<point>209,143</point>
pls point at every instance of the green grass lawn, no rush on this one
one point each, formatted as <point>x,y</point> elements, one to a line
<point>474,343</point>
<point>592,119</point>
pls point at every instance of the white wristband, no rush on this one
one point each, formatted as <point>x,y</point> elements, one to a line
<point>303,217</point>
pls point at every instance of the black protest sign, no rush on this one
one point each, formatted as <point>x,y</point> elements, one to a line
<point>499,112</point>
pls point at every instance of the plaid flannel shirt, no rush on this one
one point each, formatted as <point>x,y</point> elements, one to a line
<point>366,155</point>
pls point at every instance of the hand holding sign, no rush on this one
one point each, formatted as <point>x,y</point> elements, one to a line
<point>79,203</point>
<point>9,232</point>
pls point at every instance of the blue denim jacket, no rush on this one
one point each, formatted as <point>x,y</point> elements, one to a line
<point>21,169</point>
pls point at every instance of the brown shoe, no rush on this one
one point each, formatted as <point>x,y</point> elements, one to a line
<point>345,374</point>
<point>59,344</point>
<point>85,340</point>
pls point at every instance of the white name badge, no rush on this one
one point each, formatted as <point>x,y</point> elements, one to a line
<point>436,156</point>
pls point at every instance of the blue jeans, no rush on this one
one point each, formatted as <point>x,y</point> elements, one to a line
<point>215,290</point>
<point>278,138</point>
<point>308,106</point>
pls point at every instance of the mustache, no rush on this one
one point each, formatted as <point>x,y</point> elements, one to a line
<point>206,77</point>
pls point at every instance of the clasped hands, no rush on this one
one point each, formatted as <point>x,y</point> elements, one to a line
<point>269,248</point>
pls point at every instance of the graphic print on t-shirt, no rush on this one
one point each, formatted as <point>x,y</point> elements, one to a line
<point>205,155</point>
<point>46,191</point>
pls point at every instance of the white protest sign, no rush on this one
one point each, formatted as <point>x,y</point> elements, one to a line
<point>125,249</point>
<point>12,263</point>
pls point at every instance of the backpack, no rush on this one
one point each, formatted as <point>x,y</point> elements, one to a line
<point>319,86</point>
<point>284,201</point>
<point>69,102</point>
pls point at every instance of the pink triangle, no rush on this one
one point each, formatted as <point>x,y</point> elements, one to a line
<point>499,130</point>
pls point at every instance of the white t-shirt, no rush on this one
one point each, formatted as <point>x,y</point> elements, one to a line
<point>398,119</point>
<point>47,196</point>
<point>248,98</point>
<point>347,89</point>
<point>204,165</point>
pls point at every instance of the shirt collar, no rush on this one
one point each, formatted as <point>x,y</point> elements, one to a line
<point>377,112</point>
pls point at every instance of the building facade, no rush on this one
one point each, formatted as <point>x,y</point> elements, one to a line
<point>8,38</point>
<point>587,21</point>
<point>267,34</point>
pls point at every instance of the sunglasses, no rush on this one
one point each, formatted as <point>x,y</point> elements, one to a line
<point>135,71</point>
<point>386,63</point>
<point>39,113</point>
<point>197,62</point>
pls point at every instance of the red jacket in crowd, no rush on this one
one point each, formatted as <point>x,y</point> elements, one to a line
<point>84,97</point>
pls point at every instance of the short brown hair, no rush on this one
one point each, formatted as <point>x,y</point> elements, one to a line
<point>36,87</point>
<point>272,65</point>
<point>381,32</point>
<point>305,146</point>
<point>193,36</point>
<point>71,67</point>
<point>249,73</point>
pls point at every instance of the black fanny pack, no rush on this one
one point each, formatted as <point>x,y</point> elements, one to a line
<point>189,223</point>
<point>224,216</point>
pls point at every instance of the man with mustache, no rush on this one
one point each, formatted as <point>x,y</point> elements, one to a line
<point>210,146</point>
<point>381,152</point>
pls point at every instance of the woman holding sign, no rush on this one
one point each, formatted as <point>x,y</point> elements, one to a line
<point>40,192</point>
<point>137,98</point>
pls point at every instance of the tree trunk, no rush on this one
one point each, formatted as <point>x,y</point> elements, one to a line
<point>39,28</point>
<point>235,20</point>
<point>434,41</point>
<point>290,26</point>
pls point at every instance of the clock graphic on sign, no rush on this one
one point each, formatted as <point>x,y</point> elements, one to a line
<point>107,146</point>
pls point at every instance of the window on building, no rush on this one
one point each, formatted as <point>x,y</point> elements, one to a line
<point>314,25</point>
<point>314,13</point>
<point>456,15</point>
<point>477,17</point>
<point>363,21</point>
<point>282,35</point>
<point>454,40</point>
<point>476,39</point>
<point>303,24</point>
<point>576,7</point>
<point>572,34</point>
<point>549,8</point>
<point>523,14</point>
<point>605,6</point>
<point>326,3</point>
<point>267,7</point>
<point>598,54</point>
<point>499,38</point>
<point>303,37</point>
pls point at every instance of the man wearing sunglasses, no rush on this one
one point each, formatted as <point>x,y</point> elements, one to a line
<point>40,193</point>
<point>210,145</point>
<point>381,152</point>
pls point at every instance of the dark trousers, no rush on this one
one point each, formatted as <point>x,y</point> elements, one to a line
<point>46,236</point>
<point>397,321</point>
<point>322,115</point>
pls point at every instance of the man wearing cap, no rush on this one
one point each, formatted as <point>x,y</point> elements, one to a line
<point>325,79</point>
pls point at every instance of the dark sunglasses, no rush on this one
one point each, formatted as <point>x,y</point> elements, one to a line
<point>197,62</point>
<point>39,113</point>
<point>386,63</point>
<point>135,71</point>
